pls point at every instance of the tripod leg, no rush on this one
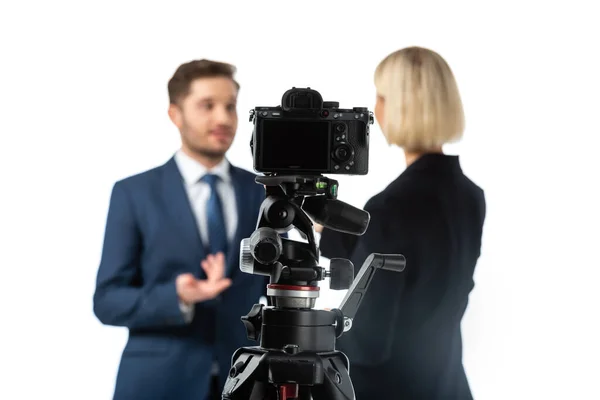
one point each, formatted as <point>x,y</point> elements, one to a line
<point>336,381</point>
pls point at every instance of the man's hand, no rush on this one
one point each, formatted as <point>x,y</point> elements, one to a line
<point>192,290</point>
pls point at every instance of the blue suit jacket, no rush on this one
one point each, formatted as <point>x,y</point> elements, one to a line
<point>152,237</point>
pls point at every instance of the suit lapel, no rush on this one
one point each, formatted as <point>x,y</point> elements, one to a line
<point>179,208</point>
<point>180,211</point>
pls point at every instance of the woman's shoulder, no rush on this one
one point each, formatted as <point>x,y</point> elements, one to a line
<point>404,190</point>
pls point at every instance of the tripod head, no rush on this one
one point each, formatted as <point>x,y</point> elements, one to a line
<point>296,358</point>
<point>292,265</point>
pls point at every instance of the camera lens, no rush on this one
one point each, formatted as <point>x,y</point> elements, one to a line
<point>342,153</point>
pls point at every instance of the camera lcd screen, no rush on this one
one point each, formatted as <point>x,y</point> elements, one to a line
<point>296,144</point>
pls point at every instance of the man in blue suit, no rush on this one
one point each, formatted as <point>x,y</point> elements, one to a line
<point>169,270</point>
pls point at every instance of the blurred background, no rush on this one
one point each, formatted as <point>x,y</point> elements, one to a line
<point>83,103</point>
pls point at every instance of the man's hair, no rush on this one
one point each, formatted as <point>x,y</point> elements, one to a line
<point>180,82</point>
<point>422,105</point>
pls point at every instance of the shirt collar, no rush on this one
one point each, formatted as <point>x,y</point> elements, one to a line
<point>438,162</point>
<point>191,170</point>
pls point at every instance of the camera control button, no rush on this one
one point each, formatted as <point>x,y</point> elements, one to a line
<point>347,168</point>
<point>336,167</point>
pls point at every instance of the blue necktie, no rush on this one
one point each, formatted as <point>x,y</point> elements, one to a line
<point>217,233</point>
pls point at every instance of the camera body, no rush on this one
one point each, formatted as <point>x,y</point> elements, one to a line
<point>305,135</point>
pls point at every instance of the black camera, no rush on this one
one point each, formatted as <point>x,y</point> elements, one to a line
<point>305,135</point>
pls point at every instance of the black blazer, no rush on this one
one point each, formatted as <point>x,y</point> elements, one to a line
<point>405,342</point>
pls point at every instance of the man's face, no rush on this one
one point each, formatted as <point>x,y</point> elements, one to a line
<point>207,117</point>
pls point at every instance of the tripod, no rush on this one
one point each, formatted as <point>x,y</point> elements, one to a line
<point>297,358</point>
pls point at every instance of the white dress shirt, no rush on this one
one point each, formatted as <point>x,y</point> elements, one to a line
<point>198,192</point>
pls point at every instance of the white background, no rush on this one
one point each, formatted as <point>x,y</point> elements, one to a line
<point>83,103</point>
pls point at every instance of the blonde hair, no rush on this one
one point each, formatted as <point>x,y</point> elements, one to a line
<point>422,106</point>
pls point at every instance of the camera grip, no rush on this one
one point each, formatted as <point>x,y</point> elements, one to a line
<point>337,215</point>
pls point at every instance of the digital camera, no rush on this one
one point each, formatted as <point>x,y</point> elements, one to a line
<point>305,135</point>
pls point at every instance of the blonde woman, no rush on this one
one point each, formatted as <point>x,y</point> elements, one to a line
<point>406,340</point>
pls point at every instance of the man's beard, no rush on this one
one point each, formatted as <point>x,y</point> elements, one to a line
<point>204,152</point>
<point>214,155</point>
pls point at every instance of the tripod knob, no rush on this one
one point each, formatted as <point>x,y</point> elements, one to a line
<point>340,322</point>
<point>253,321</point>
<point>341,272</point>
<point>291,348</point>
<point>265,245</point>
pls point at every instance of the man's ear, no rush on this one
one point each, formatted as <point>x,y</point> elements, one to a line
<point>175,115</point>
